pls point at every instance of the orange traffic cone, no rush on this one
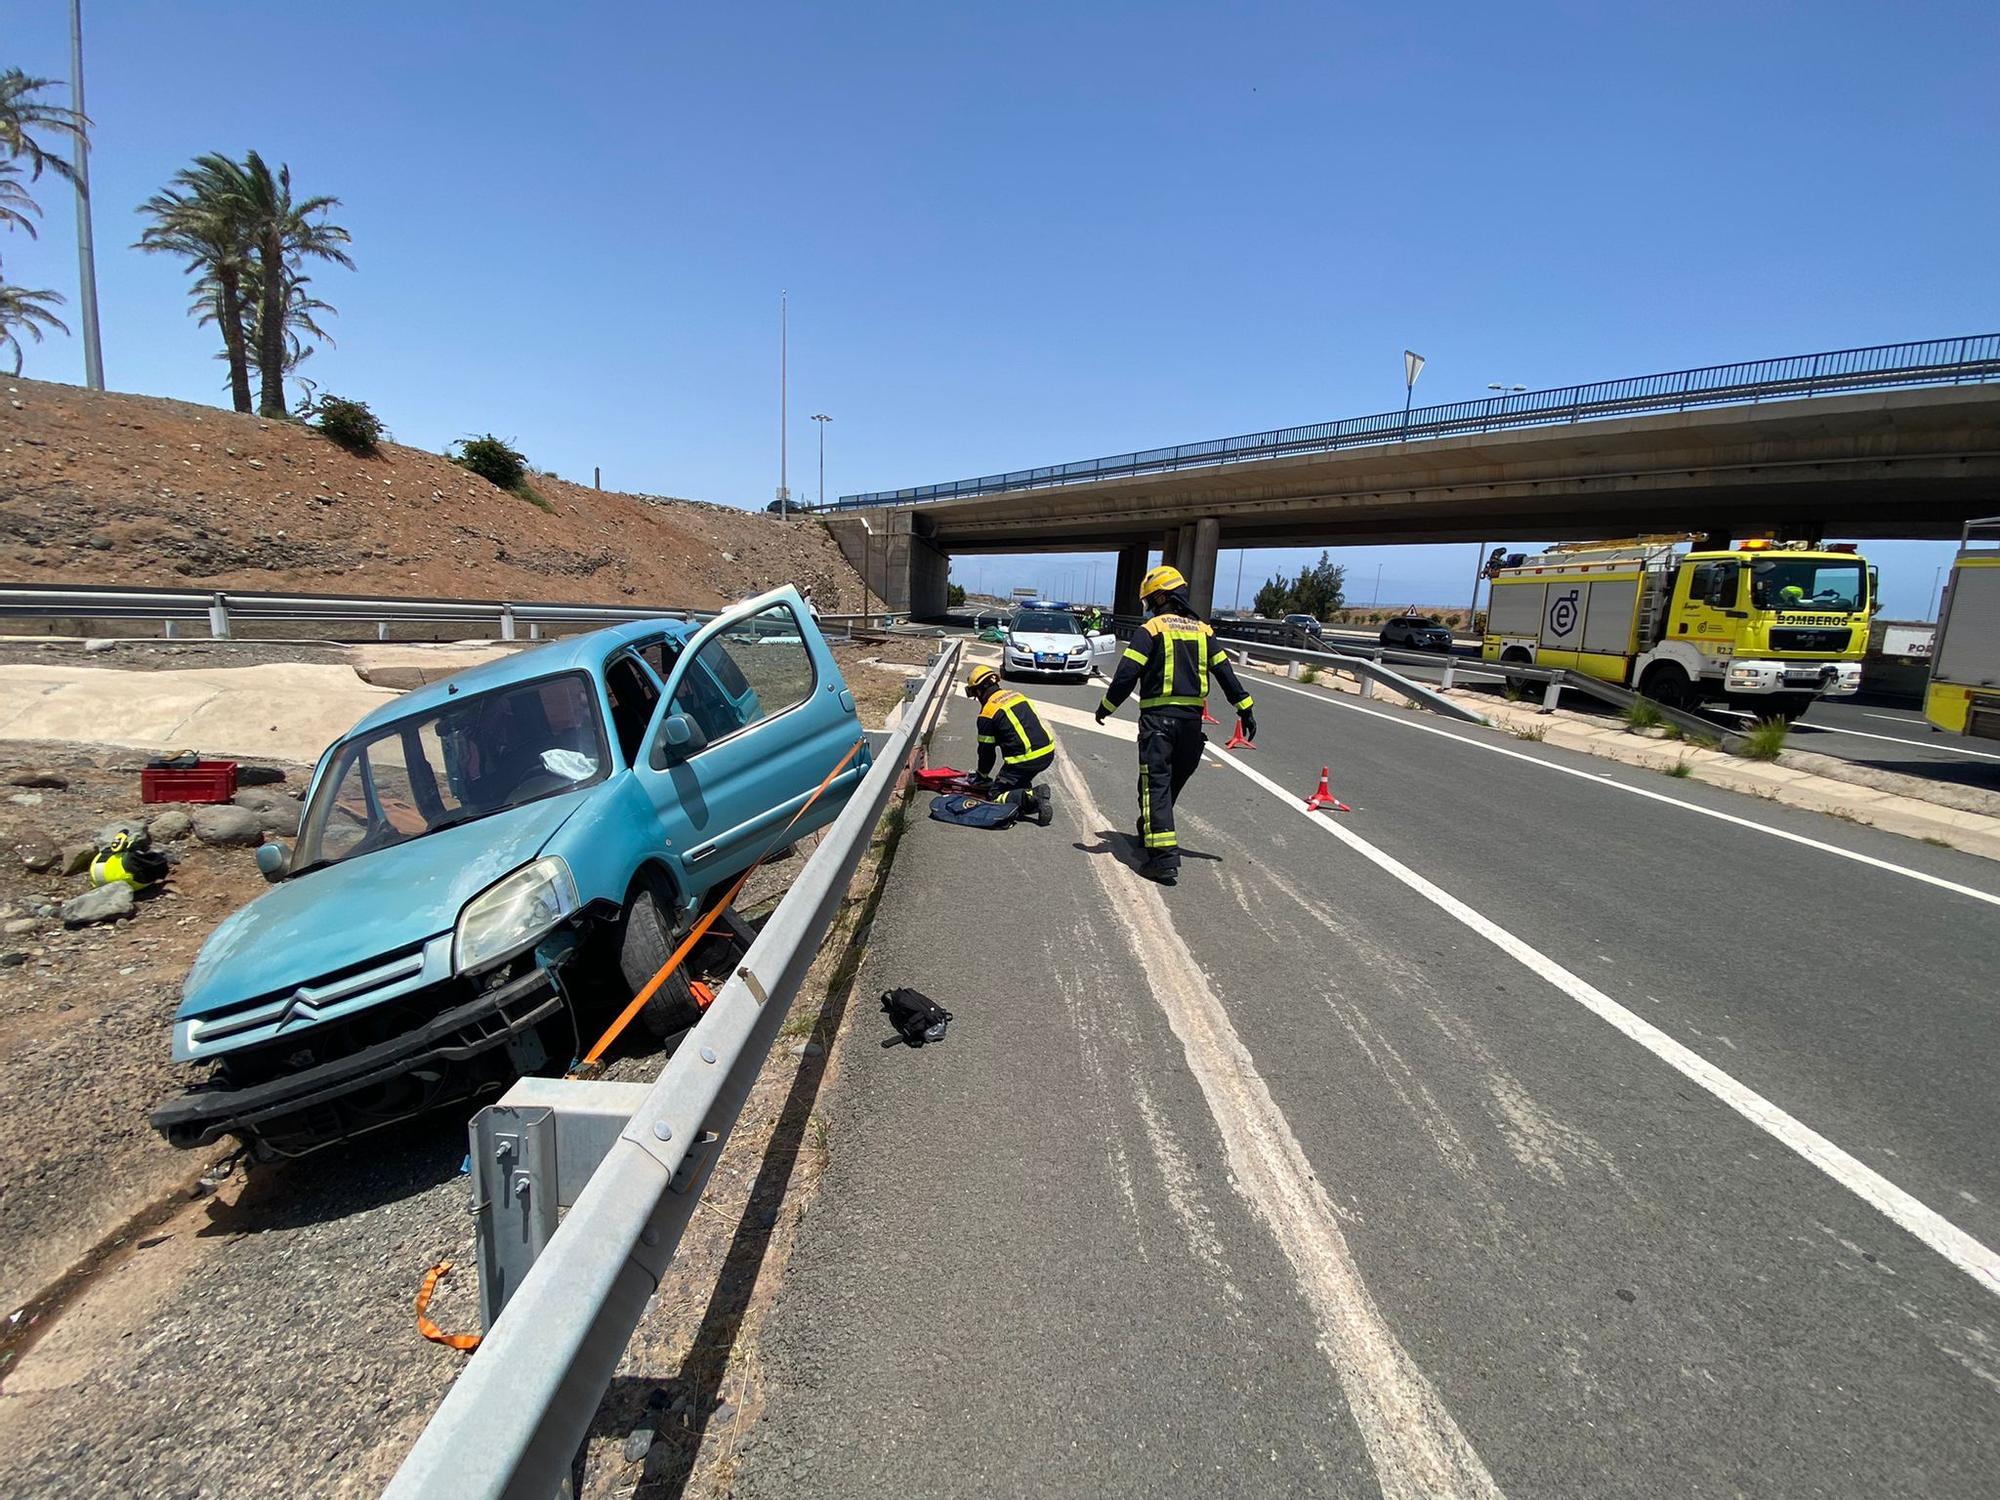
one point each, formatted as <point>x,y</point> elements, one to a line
<point>1236,740</point>
<point>1323,800</point>
<point>1207,717</point>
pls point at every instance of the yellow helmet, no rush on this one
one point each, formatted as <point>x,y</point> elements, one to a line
<point>978,679</point>
<point>1161,580</point>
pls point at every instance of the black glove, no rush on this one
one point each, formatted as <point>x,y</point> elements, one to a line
<point>1103,713</point>
<point>1247,722</point>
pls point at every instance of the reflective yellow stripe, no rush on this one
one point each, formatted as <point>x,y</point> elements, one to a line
<point>1167,840</point>
<point>1026,752</point>
<point>1183,700</point>
<point>1131,655</point>
<point>1021,760</point>
<point>1245,705</point>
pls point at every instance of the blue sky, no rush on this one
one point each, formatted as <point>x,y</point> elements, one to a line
<point>1042,232</point>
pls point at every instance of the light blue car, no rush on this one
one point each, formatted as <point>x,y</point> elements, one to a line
<point>490,866</point>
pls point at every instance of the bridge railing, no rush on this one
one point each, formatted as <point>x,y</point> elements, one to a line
<point>1971,359</point>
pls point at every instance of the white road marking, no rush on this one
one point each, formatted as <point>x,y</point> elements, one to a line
<point>1414,1444</point>
<point>1953,1243</point>
<point>1947,749</point>
<point>1411,721</point>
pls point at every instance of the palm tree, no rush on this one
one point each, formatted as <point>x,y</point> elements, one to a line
<point>199,217</point>
<point>22,309</point>
<point>283,234</point>
<point>16,203</point>
<point>21,112</point>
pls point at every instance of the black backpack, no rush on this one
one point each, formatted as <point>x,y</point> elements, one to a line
<point>916,1017</point>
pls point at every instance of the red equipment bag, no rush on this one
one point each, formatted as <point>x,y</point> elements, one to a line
<point>943,779</point>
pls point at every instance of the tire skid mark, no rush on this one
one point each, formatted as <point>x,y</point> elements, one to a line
<point>1415,1445</point>
<point>1083,1026</point>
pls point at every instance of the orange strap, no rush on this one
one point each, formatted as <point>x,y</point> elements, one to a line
<point>429,1329</point>
<point>700,928</point>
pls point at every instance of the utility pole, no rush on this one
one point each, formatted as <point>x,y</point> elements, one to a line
<point>86,254</point>
<point>822,418</point>
<point>784,393</point>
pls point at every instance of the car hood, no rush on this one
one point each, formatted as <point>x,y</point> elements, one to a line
<point>363,908</point>
<point>1043,640</point>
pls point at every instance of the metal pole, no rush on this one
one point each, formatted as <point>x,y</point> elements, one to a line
<point>822,419</point>
<point>86,253</point>
<point>1478,570</point>
<point>784,416</point>
<point>1239,578</point>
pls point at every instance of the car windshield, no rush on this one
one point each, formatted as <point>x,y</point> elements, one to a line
<point>1807,583</point>
<point>1046,622</point>
<point>468,759</point>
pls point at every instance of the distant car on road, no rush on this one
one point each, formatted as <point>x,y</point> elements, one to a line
<point>1417,633</point>
<point>488,866</point>
<point>1306,623</point>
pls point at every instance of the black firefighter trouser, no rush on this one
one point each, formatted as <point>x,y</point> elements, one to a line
<point>1170,742</point>
<point>1021,778</point>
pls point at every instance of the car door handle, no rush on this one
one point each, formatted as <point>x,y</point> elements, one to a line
<point>696,856</point>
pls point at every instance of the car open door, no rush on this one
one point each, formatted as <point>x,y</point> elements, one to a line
<point>755,718</point>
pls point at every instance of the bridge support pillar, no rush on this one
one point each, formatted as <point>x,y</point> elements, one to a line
<point>1204,540</point>
<point>1184,551</point>
<point>902,566</point>
<point>1125,592</point>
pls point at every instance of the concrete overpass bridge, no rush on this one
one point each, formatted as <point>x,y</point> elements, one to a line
<point>1897,441</point>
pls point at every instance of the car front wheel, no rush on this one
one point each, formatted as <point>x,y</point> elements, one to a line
<point>645,943</point>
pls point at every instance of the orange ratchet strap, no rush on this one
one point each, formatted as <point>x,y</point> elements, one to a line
<point>429,1329</point>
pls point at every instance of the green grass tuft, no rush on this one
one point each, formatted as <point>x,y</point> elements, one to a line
<point>1643,715</point>
<point>1680,770</point>
<point>1765,740</point>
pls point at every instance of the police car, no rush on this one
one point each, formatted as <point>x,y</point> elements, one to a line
<point>1051,643</point>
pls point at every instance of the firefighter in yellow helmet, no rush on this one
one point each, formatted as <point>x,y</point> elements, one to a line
<point>1012,733</point>
<point>1170,660</point>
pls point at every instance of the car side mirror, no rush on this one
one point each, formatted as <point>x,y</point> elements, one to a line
<point>274,859</point>
<point>681,734</point>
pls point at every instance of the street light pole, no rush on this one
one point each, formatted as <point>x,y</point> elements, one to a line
<point>822,418</point>
<point>86,253</point>
<point>784,396</point>
<point>1413,366</point>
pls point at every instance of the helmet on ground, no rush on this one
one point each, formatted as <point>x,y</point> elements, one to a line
<point>979,679</point>
<point>1161,580</point>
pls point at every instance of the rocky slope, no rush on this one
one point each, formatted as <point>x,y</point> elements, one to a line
<point>112,489</point>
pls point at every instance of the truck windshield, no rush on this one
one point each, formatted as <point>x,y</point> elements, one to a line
<point>1807,583</point>
<point>469,759</point>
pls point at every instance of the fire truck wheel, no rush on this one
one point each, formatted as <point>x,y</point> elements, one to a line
<point>1668,684</point>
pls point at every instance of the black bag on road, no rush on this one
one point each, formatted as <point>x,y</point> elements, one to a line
<point>916,1017</point>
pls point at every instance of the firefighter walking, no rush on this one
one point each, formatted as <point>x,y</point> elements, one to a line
<point>1013,734</point>
<point>1170,661</point>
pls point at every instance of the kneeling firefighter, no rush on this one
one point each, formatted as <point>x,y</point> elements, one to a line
<point>1011,732</point>
<point>1170,660</point>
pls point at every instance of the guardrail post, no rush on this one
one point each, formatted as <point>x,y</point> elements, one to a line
<point>514,1205</point>
<point>1450,666</point>
<point>1292,670</point>
<point>534,630</point>
<point>218,618</point>
<point>506,622</point>
<point>381,630</point>
<point>1551,695</point>
<point>1367,684</point>
<point>172,629</point>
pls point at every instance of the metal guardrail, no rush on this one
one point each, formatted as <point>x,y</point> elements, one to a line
<point>519,1411</point>
<point>1274,640</point>
<point>1974,358</point>
<point>219,607</point>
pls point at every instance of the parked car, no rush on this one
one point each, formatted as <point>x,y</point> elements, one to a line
<point>1306,623</point>
<point>1051,642</point>
<point>489,866</point>
<point>1417,633</point>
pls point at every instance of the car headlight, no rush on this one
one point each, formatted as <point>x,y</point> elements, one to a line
<point>513,913</point>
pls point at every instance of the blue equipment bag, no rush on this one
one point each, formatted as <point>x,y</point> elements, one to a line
<point>973,812</point>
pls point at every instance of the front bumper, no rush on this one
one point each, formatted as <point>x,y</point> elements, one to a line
<point>1021,661</point>
<point>319,1105</point>
<point>1832,679</point>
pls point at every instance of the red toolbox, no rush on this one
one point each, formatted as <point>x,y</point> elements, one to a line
<point>203,781</point>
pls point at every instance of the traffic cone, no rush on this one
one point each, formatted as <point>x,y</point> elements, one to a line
<point>1207,717</point>
<point>1236,740</point>
<point>1323,800</point>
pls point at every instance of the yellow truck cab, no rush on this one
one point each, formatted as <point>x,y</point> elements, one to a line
<point>1768,626</point>
<point>1964,692</point>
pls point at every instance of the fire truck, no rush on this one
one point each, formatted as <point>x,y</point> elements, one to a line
<point>1964,693</point>
<point>1763,625</point>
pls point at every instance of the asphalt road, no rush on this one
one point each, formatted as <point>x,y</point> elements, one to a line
<point>1537,1128</point>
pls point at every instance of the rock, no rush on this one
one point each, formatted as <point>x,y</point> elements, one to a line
<point>13,959</point>
<point>76,858</point>
<point>170,825</point>
<point>98,643</point>
<point>232,826</point>
<point>25,799</point>
<point>53,781</point>
<point>260,776</point>
<point>105,904</point>
<point>38,852</point>
<point>15,926</point>
<point>280,811</point>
